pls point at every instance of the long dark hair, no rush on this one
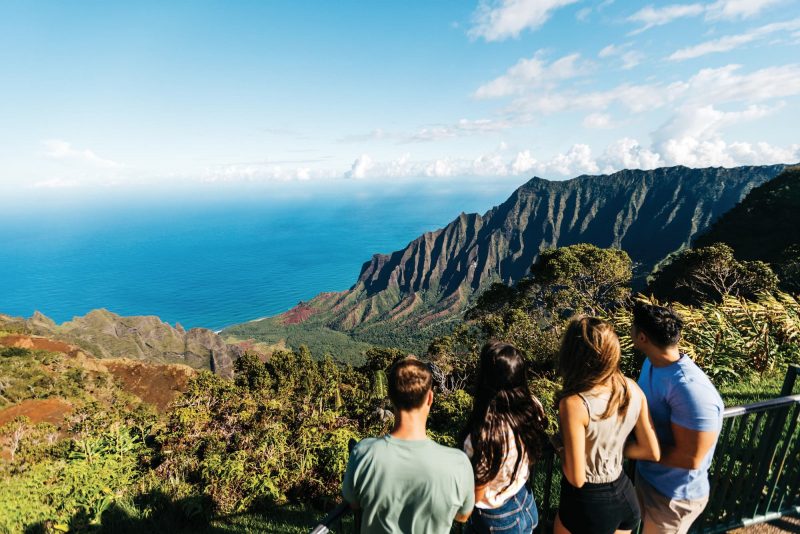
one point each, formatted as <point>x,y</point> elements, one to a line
<point>589,357</point>
<point>502,402</point>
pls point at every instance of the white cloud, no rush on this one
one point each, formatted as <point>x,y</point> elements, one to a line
<point>523,162</point>
<point>458,129</point>
<point>58,149</point>
<point>730,42</point>
<point>706,121</point>
<point>694,152</point>
<point>719,85</point>
<point>627,153</point>
<point>360,167</point>
<point>651,16</point>
<point>531,73</point>
<point>694,148</point>
<point>722,44</point>
<point>630,58</point>
<point>692,137</point>
<point>499,20</point>
<point>734,9</point>
<point>263,172</point>
<point>583,14</point>
<point>725,84</point>
<point>577,160</point>
<point>611,50</point>
<point>635,98</point>
<point>763,153</point>
<point>597,121</point>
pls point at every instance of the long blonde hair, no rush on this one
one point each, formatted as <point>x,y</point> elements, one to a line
<point>589,357</point>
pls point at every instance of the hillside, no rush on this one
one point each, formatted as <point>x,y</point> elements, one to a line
<point>46,380</point>
<point>764,224</point>
<point>406,297</point>
<point>108,335</point>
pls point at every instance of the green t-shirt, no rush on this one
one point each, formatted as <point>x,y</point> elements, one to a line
<point>408,486</point>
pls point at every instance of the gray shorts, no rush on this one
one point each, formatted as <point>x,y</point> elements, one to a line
<point>662,515</point>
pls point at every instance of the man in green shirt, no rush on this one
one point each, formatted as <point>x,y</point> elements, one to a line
<point>403,482</point>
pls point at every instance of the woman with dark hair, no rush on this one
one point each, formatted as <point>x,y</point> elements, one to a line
<point>503,438</point>
<point>599,409</point>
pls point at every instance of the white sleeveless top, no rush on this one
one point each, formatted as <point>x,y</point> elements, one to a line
<point>605,438</point>
<point>496,492</point>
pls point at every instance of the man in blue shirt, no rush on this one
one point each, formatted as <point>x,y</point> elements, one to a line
<point>687,415</point>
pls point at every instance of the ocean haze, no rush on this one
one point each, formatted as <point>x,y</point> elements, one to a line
<point>216,256</point>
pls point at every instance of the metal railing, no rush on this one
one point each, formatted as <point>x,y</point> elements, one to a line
<point>334,521</point>
<point>755,476</point>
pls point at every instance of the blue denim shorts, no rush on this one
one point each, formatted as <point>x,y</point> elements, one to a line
<point>517,515</point>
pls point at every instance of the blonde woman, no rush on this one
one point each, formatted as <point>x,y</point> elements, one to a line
<point>599,409</point>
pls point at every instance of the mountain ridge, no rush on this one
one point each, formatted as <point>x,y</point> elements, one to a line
<point>438,273</point>
<point>146,338</point>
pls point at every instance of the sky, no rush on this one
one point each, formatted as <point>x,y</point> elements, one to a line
<point>99,96</point>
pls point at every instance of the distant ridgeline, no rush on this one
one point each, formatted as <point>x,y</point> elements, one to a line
<point>108,335</point>
<point>405,298</point>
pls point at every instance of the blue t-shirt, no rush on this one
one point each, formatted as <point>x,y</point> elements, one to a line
<point>679,393</point>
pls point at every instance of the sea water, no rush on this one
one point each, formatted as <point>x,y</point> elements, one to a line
<point>216,257</point>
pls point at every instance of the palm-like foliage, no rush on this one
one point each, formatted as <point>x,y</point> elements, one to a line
<point>734,337</point>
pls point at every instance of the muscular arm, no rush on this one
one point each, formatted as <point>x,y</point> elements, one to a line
<point>574,419</point>
<point>690,448</point>
<point>646,445</point>
<point>695,420</point>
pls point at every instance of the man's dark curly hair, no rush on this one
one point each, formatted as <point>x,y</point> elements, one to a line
<point>660,324</point>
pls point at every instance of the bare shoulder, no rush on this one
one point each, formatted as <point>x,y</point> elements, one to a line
<point>632,383</point>
<point>570,403</point>
<point>573,407</point>
<point>634,388</point>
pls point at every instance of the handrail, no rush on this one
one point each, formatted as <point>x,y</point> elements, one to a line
<point>761,406</point>
<point>336,514</point>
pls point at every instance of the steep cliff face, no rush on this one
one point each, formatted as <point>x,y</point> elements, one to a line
<point>108,335</point>
<point>649,214</point>
<point>765,224</point>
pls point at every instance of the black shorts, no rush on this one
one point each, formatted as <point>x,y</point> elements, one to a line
<point>599,508</point>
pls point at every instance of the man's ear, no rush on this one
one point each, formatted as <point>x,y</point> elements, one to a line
<point>429,400</point>
<point>643,338</point>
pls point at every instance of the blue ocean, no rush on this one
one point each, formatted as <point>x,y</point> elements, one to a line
<point>215,257</point>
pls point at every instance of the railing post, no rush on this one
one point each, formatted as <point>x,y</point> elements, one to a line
<point>789,380</point>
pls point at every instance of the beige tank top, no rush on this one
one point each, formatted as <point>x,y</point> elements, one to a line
<point>505,485</point>
<point>605,438</point>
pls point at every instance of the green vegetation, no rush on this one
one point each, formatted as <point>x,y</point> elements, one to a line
<point>319,339</point>
<point>711,273</point>
<point>38,374</point>
<point>583,277</point>
<point>265,451</point>
<point>348,347</point>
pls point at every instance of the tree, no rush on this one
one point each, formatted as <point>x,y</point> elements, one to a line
<point>710,273</point>
<point>583,278</point>
<point>251,372</point>
<point>789,270</point>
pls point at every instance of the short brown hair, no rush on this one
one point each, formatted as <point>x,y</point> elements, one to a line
<point>410,380</point>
